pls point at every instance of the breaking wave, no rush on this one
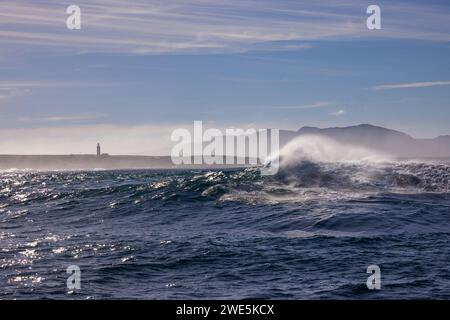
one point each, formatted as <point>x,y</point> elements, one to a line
<point>322,149</point>
<point>317,167</point>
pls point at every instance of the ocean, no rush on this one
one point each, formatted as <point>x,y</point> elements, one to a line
<point>309,232</point>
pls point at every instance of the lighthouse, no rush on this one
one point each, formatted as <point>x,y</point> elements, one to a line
<point>99,150</point>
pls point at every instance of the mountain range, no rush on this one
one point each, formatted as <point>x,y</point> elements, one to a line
<point>389,141</point>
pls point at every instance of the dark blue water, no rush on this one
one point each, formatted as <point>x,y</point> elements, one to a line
<point>309,232</point>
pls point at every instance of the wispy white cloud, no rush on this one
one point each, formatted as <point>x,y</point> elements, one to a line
<point>10,85</point>
<point>6,93</point>
<point>252,80</point>
<point>318,104</point>
<point>10,89</point>
<point>160,26</point>
<point>61,118</point>
<point>411,85</point>
<point>337,113</point>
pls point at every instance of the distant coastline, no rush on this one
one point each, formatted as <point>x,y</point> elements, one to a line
<point>90,162</point>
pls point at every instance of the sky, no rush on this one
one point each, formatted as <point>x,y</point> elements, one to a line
<point>137,70</point>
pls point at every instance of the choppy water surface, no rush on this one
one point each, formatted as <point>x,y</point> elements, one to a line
<point>307,233</point>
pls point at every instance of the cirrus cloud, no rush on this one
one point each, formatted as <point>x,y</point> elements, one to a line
<point>412,85</point>
<point>208,26</point>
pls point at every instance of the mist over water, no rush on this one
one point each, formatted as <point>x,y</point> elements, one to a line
<point>321,149</point>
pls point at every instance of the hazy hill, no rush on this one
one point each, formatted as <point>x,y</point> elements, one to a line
<point>391,141</point>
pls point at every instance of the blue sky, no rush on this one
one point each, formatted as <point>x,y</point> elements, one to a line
<point>134,72</point>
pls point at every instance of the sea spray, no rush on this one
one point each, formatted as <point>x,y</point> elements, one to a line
<point>322,149</point>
